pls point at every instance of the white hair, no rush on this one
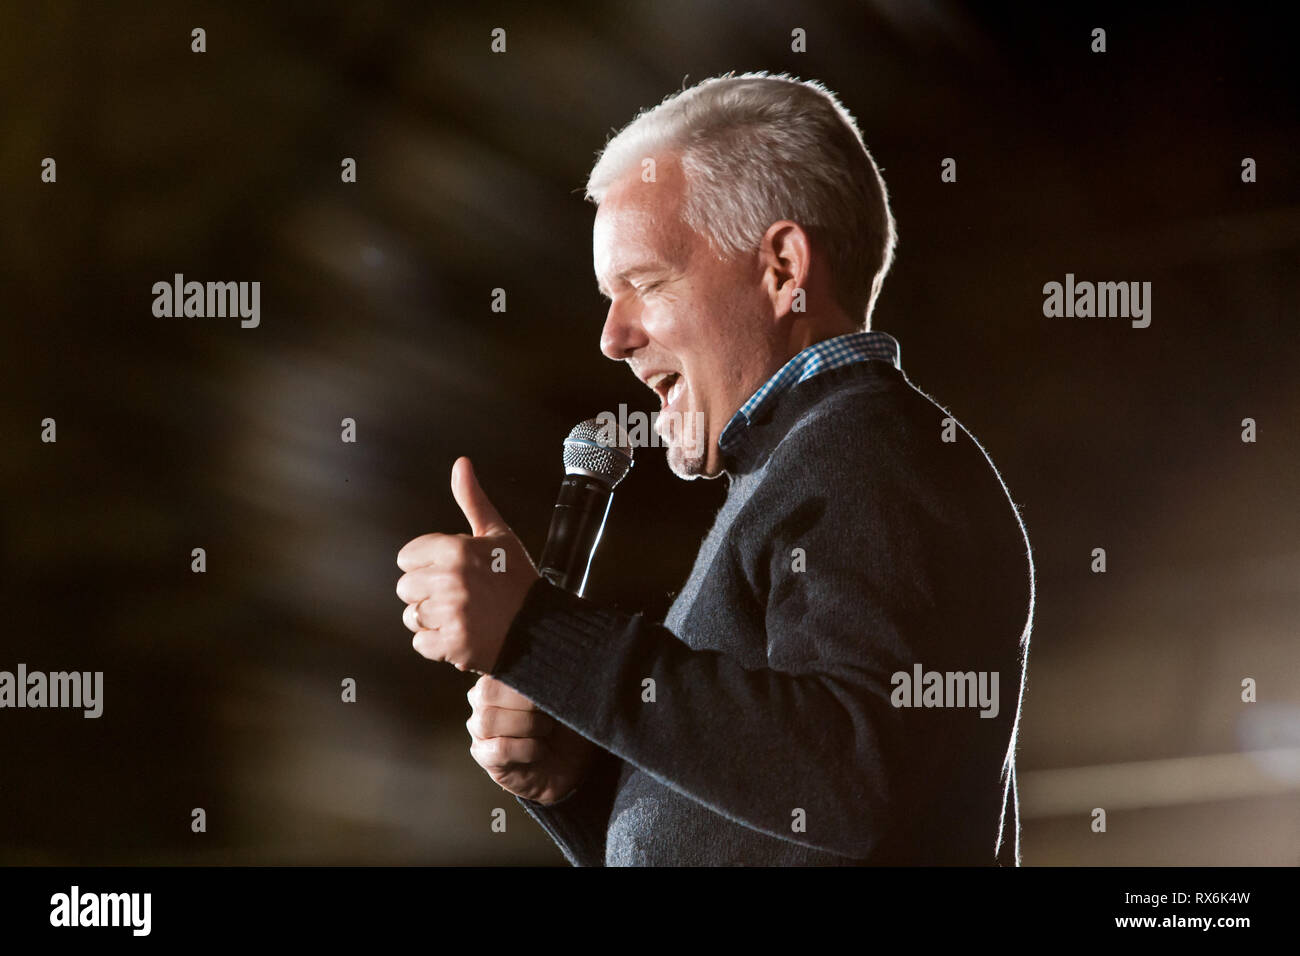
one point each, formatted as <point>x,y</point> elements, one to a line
<point>756,149</point>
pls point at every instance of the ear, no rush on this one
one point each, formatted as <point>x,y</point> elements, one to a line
<point>785,254</point>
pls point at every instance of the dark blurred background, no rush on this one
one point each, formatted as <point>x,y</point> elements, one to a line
<point>222,689</point>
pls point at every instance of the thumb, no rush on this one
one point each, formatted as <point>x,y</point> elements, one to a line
<point>473,500</point>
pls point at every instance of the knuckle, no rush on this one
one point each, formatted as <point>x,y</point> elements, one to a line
<point>495,692</point>
<point>406,557</point>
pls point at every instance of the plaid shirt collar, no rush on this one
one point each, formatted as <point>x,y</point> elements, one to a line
<point>818,357</point>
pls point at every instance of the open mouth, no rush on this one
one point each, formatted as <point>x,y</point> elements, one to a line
<point>668,386</point>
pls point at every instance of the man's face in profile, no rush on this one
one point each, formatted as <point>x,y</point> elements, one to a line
<point>689,324</point>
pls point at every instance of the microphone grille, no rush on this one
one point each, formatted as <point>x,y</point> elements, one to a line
<point>599,449</point>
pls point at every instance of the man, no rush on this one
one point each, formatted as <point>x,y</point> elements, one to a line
<point>811,697</point>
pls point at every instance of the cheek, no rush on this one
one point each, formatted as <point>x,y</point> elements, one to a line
<point>727,335</point>
<point>660,324</point>
<point>705,328</point>
<point>675,325</point>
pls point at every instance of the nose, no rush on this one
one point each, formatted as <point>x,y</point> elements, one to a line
<point>623,333</point>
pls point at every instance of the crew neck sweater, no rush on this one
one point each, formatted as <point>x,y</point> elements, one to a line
<point>865,535</point>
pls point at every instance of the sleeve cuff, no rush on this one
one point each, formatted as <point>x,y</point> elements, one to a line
<point>550,642</point>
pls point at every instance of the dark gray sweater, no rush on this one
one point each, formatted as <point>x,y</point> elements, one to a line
<point>772,738</point>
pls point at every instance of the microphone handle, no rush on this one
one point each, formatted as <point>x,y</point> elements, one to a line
<point>576,526</point>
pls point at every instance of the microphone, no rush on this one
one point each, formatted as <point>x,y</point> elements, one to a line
<point>596,458</point>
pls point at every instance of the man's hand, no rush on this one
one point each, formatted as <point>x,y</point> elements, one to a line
<point>523,749</point>
<point>463,591</point>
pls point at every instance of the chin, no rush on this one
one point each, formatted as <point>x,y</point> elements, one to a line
<point>683,438</point>
<point>688,467</point>
<point>684,467</point>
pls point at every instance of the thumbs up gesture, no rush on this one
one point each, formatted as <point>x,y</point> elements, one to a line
<point>462,591</point>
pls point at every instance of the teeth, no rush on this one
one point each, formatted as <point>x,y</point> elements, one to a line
<point>654,380</point>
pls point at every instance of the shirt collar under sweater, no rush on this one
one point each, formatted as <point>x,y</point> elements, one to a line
<point>737,437</point>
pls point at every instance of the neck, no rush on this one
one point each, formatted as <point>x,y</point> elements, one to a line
<point>811,330</point>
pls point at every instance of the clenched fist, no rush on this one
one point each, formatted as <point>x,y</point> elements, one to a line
<point>462,591</point>
<point>523,749</point>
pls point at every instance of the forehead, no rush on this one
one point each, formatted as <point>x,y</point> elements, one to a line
<point>639,224</point>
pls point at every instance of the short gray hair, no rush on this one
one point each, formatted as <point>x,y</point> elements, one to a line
<point>756,149</point>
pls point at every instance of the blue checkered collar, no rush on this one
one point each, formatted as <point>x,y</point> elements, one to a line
<point>819,357</point>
